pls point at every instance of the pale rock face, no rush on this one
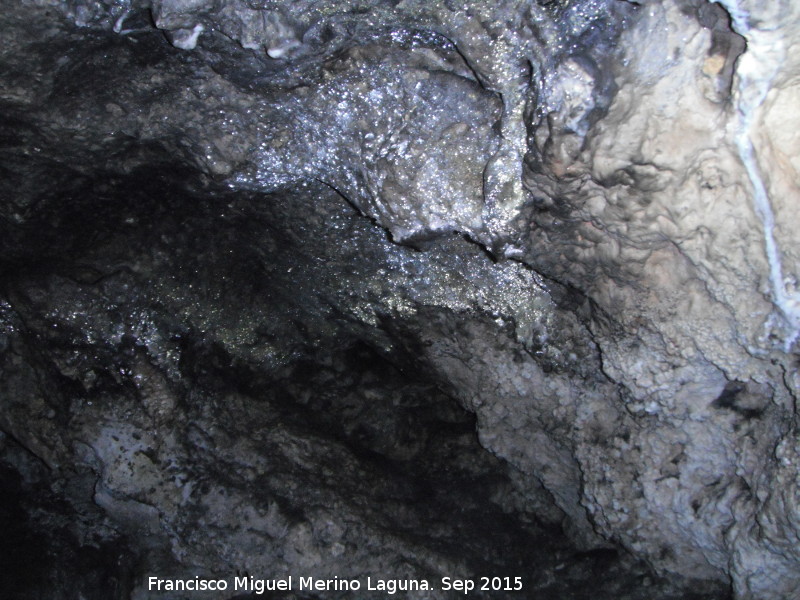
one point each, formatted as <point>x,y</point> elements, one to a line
<point>601,198</point>
<point>667,237</point>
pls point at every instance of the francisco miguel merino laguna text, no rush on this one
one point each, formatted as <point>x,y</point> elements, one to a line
<point>259,586</point>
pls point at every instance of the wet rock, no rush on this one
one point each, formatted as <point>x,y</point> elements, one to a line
<point>410,289</point>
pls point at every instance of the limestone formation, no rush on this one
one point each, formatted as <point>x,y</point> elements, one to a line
<point>401,289</point>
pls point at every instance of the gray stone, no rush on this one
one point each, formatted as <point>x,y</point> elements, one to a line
<point>402,289</point>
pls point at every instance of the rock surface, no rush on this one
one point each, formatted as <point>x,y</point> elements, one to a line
<point>410,289</point>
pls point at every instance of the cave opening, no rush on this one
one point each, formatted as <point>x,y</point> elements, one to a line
<point>195,334</point>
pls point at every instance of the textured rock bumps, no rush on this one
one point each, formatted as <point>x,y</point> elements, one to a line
<point>173,225</point>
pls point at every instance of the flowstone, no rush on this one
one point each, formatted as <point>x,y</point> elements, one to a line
<point>402,289</point>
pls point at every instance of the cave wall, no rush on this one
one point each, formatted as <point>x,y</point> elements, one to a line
<point>567,226</point>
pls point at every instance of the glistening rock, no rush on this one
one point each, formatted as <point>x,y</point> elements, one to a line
<point>264,263</point>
